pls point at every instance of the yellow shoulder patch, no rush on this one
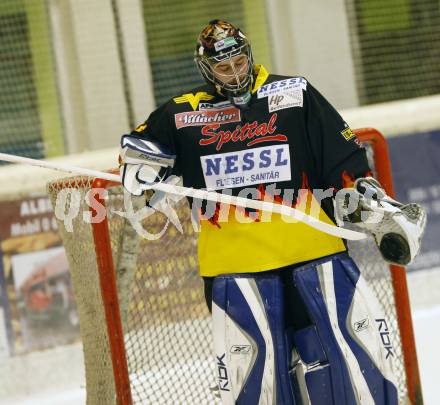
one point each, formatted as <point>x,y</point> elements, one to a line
<point>348,134</point>
<point>262,75</point>
<point>141,127</point>
<point>193,99</point>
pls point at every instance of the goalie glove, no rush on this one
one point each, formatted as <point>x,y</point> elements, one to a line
<point>397,228</point>
<point>143,163</point>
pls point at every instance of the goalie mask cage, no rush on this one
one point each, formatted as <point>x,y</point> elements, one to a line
<point>145,327</point>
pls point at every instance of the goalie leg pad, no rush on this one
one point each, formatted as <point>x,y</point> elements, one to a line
<point>343,356</point>
<point>249,339</point>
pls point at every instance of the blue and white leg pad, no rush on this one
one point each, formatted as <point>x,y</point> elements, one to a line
<point>343,356</point>
<point>249,340</point>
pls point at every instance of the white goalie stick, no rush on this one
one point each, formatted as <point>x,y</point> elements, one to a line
<point>201,195</point>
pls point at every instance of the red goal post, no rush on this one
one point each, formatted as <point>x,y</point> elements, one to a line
<point>118,314</point>
<point>383,173</point>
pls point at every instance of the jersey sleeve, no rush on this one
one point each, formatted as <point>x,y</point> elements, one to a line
<point>158,128</point>
<point>338,156</point>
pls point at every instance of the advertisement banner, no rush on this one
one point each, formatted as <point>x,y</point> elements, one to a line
<point>37,295</point>
<point>416,172</point>
<point>5,316</point>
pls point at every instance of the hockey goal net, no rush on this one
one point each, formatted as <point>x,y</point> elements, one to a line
<point>145,327</point>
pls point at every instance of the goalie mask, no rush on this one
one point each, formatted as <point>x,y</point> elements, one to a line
<point>223,56</point>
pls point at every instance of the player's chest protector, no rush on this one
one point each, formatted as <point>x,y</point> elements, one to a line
<point>224,146</point>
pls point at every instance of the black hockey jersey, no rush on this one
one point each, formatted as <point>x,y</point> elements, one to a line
<point>288,144</point>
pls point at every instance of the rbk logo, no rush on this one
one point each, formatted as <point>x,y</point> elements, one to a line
<point>241,349</point>
<point>361,325</point>
<point>223,379</point>
<point>385,337</point>
<point>193,99</point>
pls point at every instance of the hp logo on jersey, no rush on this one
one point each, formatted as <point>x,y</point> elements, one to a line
<point>287,99</point>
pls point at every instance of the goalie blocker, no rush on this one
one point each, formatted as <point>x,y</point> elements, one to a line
<point>143,162</point>
<point>339,357</point>
<point>397,228</point>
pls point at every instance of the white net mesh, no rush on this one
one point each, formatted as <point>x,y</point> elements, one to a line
<point>166,322</point>
<point>85,280</point>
